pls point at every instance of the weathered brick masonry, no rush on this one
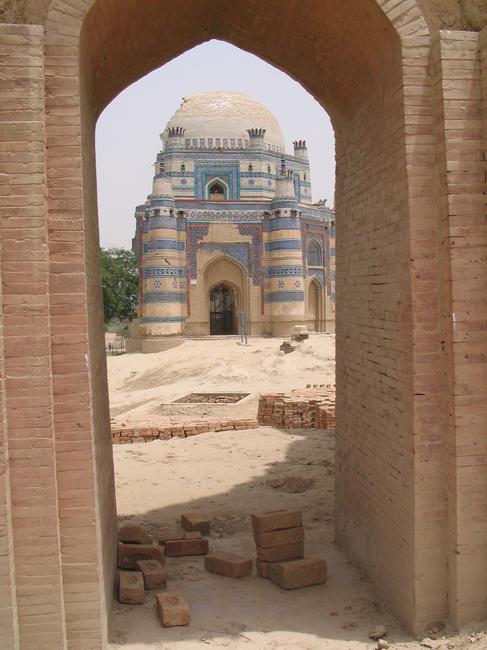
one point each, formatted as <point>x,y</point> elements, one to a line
<point>409,106</point>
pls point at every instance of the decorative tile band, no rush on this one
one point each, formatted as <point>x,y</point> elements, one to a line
<point>281,223</point>
<point>163,319</point>
<point>164,244</point>
<point>283,245</point>
<point>284,296</point>
<point>193,235</point>
<point>165,296</point>
<point>284,271</point>
<point>159,222</point>
<point>165,271</point>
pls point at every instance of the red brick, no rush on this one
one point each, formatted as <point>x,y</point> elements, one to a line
<point>296,574</point>
<point>279,553</point>
<point>228,564</point>
<point>132,534</point>
<point>279,537</point>
<point>276,520</point>
<point>165,535</point>
<point>187,547</point>
<point>128,554</point>
<point>192,521</point>
<point>153,573</point>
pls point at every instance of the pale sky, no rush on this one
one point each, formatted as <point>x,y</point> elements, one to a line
<point>127,133</point>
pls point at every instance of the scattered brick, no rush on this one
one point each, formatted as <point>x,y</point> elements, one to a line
<point>279,553</point>
<point>173,609</point>
<point>153,573</point>
<point>194,521</point>
<point>195,534</point>
<point>279,537</point>
<point>296,574</point>
<point>166,535</point>
<point>187,547</point>
<point>131,587</point>
<point>128,554</point>
<point>228,564</point>
<point>132,534</point>
<point>276,520</point>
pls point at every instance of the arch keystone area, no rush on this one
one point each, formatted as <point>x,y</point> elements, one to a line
<point>406,105</point>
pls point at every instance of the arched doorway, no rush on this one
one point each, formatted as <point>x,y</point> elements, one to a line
<point>222,310</point>
<point>314,305</point>
<point>370,93</point>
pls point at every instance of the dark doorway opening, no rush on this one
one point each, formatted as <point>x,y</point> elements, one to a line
<point>222,310</point>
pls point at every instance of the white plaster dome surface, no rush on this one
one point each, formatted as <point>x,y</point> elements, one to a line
<point>225,115</point>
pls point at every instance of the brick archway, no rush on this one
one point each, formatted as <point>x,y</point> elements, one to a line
<point>370,68</point>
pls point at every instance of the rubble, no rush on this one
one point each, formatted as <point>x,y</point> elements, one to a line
<point>173,609</point>
<point>228,564</point>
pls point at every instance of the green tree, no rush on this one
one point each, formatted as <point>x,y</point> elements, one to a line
<point>120,283</point>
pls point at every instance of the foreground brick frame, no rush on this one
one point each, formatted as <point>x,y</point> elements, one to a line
<point>409,108</point>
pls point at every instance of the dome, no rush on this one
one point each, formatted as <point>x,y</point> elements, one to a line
<point>225,115</point>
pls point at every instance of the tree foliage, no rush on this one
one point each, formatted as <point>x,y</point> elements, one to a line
<point>120,284</point>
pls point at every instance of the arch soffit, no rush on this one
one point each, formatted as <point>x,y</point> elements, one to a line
<point>65,21</point>
<point>212,181</point>
<point>317,280</point>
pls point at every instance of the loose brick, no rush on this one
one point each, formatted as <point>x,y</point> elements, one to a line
<point>132,534</point>
<point>172,609</point>
<point>195,534</point>
<point>279,553</point>
<point>262,568</point>
<point>276,520</point>
<point>228,564</point>
<point>128,554</point>
<point>153,573</point>
<point>131,587</point>
<point>296,574</point>
<point>192,521</point>
<point>187,547</point>
<point>280,537</point>
<point>165,535</point>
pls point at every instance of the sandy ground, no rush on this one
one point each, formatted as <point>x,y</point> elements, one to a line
<point>142,386</point>
<point>229,475</point>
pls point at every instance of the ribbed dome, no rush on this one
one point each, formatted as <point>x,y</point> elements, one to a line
<point>225,115</point>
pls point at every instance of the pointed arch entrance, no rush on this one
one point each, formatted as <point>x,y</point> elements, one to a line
<point>392,476</point>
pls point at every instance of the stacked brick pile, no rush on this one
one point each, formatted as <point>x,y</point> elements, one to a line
<point>279,538</point>
<point>123,436</point>
<point>306,408</point>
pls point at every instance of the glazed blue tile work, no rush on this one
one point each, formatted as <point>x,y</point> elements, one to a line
<point>159,222</point>
<point>164,244</point>
<point>284,296</point>
<point>284,270</point>
<point>165,296</point>
<point>193,235</point>
<point>165,271</point>
<point>283,245</point>
<point>163,319</point>
<point>255,232</point>
<point>281,223</point>
<point>237,251</point>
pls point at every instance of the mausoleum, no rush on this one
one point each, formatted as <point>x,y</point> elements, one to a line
<point>230,228</point>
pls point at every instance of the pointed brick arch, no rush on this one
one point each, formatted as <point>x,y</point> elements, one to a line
<point>369,66</point>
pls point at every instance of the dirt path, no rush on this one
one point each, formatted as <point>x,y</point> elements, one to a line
<point>230,475</point>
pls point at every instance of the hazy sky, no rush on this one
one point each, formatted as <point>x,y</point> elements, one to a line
<point>127,134</point>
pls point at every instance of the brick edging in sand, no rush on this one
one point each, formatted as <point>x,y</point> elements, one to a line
<point>124,436</point>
